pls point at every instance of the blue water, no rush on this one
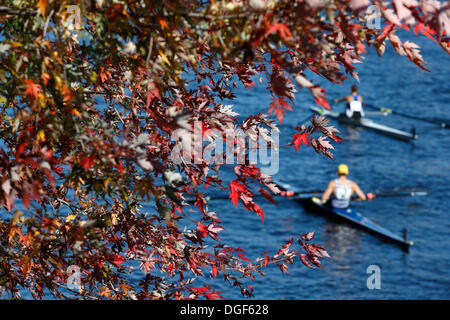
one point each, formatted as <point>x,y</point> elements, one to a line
<point>376,162</point>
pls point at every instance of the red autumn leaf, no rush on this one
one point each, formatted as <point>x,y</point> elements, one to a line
<point>280,84</point>
<point>202,231</point>
<point>243,257</point>
<point>170,268</point>
<point>314,260</point>
<point>26,198</point>
<point>282,28</point>
<point>386,30</point>
<point>325,143</point>
<point>335,137</point>
<point>234,196</point>
<point>305,261</point>
<point>320,149</point>
<point>277,106</point>
<point>214,295</point>
<point>235,191</point>
<point>152,93</point>
<point>21,148</point>
<point>319,96</point>
<point>32,89</point>
<point>322,101</point>
<point>300,138</point>
<point>254,207</point>
<point>118,260</point>
<point>213,231</point>
<point>115,11</point>
<point>119,167</point>
<point>425,30</point>
<point>321,250</point>
<point>308,236</point>
<point>214,271</point>
<point>87,162</point>
<point>267,195</point>
<point>200,202</point>
<point>413,54</point>
<point>266,261</point>
<point>240,191</point>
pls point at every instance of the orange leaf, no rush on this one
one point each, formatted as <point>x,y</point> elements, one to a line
<point>76,112</point>
<point>68,95</point>
<point>163,24</point>
<point>103,76</point>
<point>42,4</point>
<point>45,77</point>
<point>282,28</point>
<point>32,89</point>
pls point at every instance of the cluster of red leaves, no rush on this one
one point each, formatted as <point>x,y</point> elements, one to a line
<point>320,145</point>
<point>82,170</point>
<point>309,254</point>
<point>240,190</point>
<point>281,88</point>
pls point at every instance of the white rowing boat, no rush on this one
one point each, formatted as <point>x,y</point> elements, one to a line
<point>367,123</point>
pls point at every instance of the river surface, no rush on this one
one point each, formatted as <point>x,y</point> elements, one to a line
<point>375,162</point>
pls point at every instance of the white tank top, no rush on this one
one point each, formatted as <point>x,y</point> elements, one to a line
<point>354,105</point>
<point>341,198</point>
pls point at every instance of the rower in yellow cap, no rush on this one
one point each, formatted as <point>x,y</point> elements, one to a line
<point>340,190</point>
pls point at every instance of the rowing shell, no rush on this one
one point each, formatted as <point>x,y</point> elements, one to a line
<point>367,123</point>
<point>351,216</point>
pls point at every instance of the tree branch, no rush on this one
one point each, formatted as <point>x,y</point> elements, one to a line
<point>17,12</point>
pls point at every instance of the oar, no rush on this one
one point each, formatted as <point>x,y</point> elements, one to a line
<point>292,195</point>
<point>370,195</point>
<point>397,192</point>
<point>376,113</point>
<point>287,194</point>
<point>440,122</point>
<point>403,192</point>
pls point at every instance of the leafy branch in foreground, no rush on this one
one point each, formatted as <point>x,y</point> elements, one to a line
<point>95,96</point>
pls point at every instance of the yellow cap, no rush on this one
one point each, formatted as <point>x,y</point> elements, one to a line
<point>343,169</point>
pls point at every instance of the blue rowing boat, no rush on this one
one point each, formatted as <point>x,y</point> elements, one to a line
<point>348,215</point>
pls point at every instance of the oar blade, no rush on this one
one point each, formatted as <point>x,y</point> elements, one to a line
<point>442,123</point>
